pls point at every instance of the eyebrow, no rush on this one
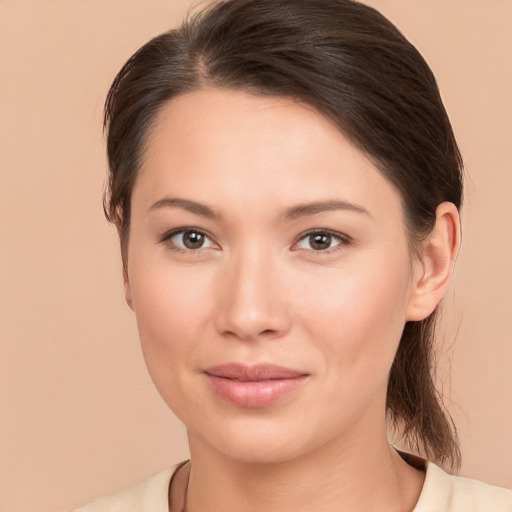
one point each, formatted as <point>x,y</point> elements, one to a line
<point>186,204</point>
<point>301,210</point>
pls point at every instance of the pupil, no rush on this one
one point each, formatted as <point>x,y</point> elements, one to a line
<point>193,240</point>
<point>319,241</point>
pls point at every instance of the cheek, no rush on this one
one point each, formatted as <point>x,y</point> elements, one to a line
<point>165,305</point>
<point>171,306</point>
<point>355,325</point>
<point>357,318</point>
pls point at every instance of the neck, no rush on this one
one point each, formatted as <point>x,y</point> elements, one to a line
<point>342,475</point>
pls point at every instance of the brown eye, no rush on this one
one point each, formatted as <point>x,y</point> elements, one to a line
<point>320,241</point>
<point>193,239</point>
<point>188,239</point>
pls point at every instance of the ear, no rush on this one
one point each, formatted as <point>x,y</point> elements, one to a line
<point>433,270</point>
<point>126,280</point>
<point>127,288</point>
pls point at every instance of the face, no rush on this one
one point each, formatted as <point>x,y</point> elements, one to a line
<point>270,274</point>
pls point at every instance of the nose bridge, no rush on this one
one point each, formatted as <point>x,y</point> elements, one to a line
<point>252,302</point>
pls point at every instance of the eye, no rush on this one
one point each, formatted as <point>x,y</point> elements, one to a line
<point>321,241</point>
<point>188,239</point>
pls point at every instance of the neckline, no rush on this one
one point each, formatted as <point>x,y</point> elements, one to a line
<point>169,487</point>
<point>414,461</point>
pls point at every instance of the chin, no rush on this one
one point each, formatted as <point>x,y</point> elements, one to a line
<point>256,440</point>
<point>258,451</point>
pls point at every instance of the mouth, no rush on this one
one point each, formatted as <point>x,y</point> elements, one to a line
<point>254,386</point>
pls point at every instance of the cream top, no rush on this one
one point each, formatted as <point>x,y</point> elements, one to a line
<point>441,493</point>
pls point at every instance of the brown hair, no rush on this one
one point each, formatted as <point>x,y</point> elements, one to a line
<point>353,65</point>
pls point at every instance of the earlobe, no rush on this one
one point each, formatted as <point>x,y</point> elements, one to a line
<point>435,268</point>
<point>127,289</point>
<point>118,222</point>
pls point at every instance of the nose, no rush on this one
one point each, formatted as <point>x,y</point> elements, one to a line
<point>251,301</point>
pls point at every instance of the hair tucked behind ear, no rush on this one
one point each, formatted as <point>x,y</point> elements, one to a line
<point>351,64</point>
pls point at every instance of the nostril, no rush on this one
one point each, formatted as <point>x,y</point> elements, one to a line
<point>249,307</point>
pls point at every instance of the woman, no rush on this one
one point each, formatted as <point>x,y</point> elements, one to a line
<point>286,186</point>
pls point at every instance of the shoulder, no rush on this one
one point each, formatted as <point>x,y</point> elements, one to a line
<point>443,492</point>
<point>151,495</point>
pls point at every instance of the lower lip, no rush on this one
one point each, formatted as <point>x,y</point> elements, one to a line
<point>254,394</point>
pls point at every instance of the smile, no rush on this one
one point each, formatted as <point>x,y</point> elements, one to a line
<point>254,386</point>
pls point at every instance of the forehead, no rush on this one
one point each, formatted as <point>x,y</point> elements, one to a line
<point>241,150</point>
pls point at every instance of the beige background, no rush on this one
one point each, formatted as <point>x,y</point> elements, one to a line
<point>79,416</point>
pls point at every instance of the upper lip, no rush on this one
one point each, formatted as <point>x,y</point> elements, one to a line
<point>255,372</point>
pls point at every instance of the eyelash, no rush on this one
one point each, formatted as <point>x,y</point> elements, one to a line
<point>170,234</point>
<point>341,239</point>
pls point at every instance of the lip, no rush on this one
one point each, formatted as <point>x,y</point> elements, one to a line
<point>254,386</point>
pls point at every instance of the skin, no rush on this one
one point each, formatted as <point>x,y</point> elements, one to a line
<point>258,291</point>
